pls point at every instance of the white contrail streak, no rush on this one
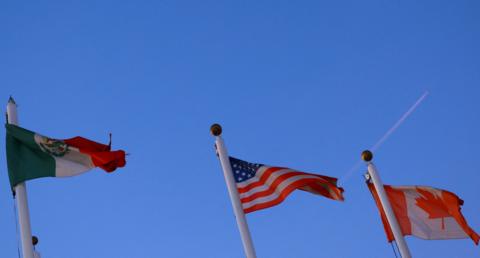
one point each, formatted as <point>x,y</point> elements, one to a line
<point>387,134</point>
<point>399,122</point>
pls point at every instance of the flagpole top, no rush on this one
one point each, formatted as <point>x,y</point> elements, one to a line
<point>216,129</point>
<point>367,155</point>
<point>11,100</point>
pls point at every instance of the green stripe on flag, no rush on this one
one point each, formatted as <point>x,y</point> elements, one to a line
<point>25,159</point>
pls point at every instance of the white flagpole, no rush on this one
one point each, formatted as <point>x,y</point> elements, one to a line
<point>21,196</point>
<point>216,130</point>
<point>387,208</point>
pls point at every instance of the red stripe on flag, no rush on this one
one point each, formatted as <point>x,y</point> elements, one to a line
<point>282,195</point>
<point>263,186</point>
<point>261,181</point>
<point>273,186</point>
<point>325,189</point>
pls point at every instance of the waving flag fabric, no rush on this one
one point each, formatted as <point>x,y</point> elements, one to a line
<point>425,212</point>
<point>261,186</point>
<point>30,155</point>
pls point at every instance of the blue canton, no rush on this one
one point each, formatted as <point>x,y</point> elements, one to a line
<point>243,170</point>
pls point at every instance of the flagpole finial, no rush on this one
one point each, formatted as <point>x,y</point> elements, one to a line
<point>11,100</point>
<point>367,155</point>
<point>216,129</point>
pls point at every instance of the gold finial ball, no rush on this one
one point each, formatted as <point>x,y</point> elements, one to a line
<point>216,129</point>
<point>367,155</point>
<point>34,240</point>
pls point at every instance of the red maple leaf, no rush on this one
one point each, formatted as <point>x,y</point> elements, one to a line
<point>432,204</point>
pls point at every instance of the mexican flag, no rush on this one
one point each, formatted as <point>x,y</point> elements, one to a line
<point>30,155</point>
<point>425,212</point>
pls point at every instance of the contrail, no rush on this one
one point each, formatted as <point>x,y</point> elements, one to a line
<point>387,134</point>
<point>399,122</point>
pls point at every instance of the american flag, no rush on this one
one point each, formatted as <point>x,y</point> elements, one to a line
<point>261,186</point>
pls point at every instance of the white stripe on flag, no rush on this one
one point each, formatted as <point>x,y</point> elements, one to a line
<point>267,183</point>
<point>254,179</point>
<point>278,191</point>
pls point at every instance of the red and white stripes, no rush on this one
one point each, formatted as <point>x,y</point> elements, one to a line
<point>271,185</point>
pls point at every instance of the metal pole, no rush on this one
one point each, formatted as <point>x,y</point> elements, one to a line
<point>387,208</point>
<point>216,130</point>
<point>21,195</point>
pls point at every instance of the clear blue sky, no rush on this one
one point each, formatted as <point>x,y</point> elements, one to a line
<point>303,84</point>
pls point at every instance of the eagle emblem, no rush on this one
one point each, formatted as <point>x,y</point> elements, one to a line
<point>53,147</point>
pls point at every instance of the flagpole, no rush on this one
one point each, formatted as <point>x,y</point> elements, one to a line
<point>367,156</point>
<point>20,191</point>
<point>216,131</point>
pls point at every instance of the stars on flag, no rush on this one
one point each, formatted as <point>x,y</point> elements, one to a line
<point>243,170</point>
<point>260,186</point>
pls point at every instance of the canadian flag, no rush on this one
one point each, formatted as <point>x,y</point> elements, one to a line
<point>425,212</point>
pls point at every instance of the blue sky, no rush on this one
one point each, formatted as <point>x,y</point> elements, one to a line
<point>306,84</point>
